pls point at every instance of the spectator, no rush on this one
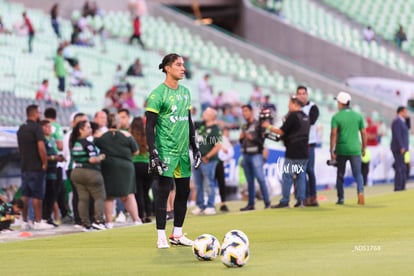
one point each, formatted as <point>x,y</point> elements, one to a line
<point>54,16</point>
<point>52,180</point>
<point>68,166</point>
<point>86,8</point>
<point>347,142</point>
<point>205,93</point>
<point>101,119</point>
<point>68,100</point>
<point>143,180</point>
<point>127,101</point>
<point>124,118</point>
<point>295,134</point>
<point>43,93</point>
<point>372,133</point>
<point>79,37</point>
<point>135,70</point>
<point>209,140</point>
<point>225,154</point>
<point>112,100</point>
<point>188,68</point>
<point>400,37</point>
<point>382,130</point>
<point>77,78</point>
<point>399,146</point>
<point>86,176</point>
<point>33,164</point>
<point>268,105</point>
<point>368,34</point>
<point>137,32</point>
<point>118,169</point>
<point>219,101</point>
<point>227,118</point>
<point>119,75</point>
<point>312,111</point>
<point>57,135</point>
<point>256,98</point>
<point>251,143</point>
<point>67,53</point>
<point>31,31</point>
<point>8,212</point>
<point>60,71</point>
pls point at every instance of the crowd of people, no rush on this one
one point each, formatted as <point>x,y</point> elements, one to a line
<point>84,33</point>
<point>172,152</point>
<point>114,160</point>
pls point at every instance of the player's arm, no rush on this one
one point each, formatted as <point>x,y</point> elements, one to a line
<point>156,166</point>
<point>192,132</point>
<point>150,129</point>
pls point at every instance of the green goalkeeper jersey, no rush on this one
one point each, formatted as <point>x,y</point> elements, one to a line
<point>172,129</point>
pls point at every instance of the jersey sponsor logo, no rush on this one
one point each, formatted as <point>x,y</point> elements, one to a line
<point>175,118</point>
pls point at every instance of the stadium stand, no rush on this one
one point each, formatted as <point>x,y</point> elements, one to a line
<point>317,21</point>
<point>233,71</point>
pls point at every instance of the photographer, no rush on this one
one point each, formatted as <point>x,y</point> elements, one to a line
<point>295,134</point>
<point>251,141</point>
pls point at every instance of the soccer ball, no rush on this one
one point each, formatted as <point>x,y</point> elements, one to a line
<point>234,254</point>
<point>236,235</point>
<point>206,247</point>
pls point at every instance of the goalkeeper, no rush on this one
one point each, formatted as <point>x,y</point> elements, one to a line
<point>170,132</point>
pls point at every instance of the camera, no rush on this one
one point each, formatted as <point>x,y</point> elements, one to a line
<point>332,163</point>
<point>266,115</point>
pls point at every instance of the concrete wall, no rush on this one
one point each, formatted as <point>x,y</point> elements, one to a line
<point>67,6</point>
<point>200,2</point>
<point>267,30</point>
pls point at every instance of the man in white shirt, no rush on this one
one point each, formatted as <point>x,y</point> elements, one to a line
<point>205,93</point>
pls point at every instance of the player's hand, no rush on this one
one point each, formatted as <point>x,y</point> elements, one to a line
<point>156,166</point>
<point>197,158</point>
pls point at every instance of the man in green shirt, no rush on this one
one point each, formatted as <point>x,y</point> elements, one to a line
<point>170,132</point>
<point>347,142</point>
<point>59,66</point>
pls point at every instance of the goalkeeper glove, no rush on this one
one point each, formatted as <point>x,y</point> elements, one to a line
<point>156,166</point>
<point>197,157</point>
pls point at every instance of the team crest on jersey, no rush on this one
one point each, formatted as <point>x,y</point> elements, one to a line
<point>174,108</point>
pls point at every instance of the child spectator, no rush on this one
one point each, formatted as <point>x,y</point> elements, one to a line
<point>43,93</point>
<point>8,212</point>
<point>77,77</point>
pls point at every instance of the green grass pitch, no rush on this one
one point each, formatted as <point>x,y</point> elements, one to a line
<point>375,239</point>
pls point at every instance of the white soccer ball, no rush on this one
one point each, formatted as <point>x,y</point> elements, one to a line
<point>236,235</point>
<point>206,247</point>
<point>234,254</point>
